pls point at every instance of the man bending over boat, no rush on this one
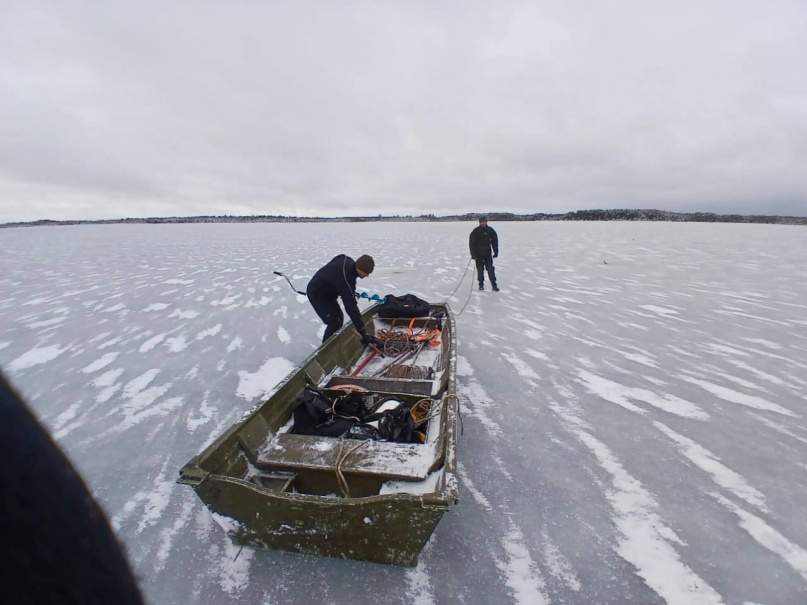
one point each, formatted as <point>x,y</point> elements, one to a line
<point>337,280</point>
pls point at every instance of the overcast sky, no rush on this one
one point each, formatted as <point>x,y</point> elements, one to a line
<point>112,109</point>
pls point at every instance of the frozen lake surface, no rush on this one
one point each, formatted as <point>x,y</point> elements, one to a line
<point>634,401</point>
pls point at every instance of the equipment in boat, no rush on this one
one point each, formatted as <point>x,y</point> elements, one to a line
<point>353,495</point>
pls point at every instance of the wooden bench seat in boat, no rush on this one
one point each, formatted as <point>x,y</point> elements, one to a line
<point>400,461</point>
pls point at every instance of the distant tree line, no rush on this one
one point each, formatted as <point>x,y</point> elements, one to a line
<point>579,215</point>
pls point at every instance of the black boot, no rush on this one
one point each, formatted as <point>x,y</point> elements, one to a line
<point>481,286</point>
<point>495,288</point>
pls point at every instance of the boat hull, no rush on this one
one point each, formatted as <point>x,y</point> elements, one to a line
<point>299,510</point>
<point>383,529</point>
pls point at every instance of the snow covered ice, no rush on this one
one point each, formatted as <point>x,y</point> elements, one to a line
<point>633,401</point>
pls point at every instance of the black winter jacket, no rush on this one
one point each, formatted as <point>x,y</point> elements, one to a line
<point>482,240</point>
<point>337,279</point>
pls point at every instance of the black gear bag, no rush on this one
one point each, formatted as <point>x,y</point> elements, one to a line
<point>405,307</point>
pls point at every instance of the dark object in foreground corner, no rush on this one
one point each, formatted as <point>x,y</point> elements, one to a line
<point>57,545</point>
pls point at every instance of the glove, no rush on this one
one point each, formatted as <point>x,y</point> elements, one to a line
<point>495,254</point>
<point>366,339</point>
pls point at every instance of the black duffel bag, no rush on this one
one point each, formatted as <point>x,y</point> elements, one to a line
<point>405,307</point>
<point>313,415</point>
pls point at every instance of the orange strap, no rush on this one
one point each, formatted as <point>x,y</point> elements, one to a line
<point>433,336</point>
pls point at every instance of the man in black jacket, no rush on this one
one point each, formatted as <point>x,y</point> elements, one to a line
<point>337,280</point>
<point>484,239</point>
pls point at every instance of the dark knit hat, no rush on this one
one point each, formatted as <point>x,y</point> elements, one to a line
<point>483,219</point>
<point>365,263</point>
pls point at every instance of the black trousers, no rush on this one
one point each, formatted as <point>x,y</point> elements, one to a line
<point>328,310</point>
<point>483,263</point>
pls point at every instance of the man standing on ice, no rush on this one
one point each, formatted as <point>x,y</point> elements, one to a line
<point>484,239</point>
<point>337,280</point>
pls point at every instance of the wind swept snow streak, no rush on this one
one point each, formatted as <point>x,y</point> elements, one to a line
<point>65,416</point>
<point>418,580</point>
<point>101,363</point>
<point>128,509</point>
<point>136,385</point>
<point>156,500</point>
<point>474,397</point>
<point>778,427</point>
<point>559,567</point>
<point>708,462</point>
<point>521,366</point>
<point>793,554</point>
<point>734,397</point>
<point>167,535</point>
<point>235,563</point>
<point>619,394</point>
<point>478,496</point>
<point>522,575</point>
<point>647,542</point>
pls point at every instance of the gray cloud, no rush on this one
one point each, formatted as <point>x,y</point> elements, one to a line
<point>317,108</point>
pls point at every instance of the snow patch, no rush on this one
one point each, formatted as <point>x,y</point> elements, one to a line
<point>663,312</point>
<point>110,343</point>
<point>253,385</point>
<point>536,354</point>
<point>177,344</point>
<point>151,343</point>
<point>107,379</point>
<point>134,386</point>
<point>66,416</point>
<point>236,343</point>
<point>100,364</point>
<point>206,414</point>
<point>142,408</point>
<point>118,307</point>
<point>210,332</point>
<point>36,356</point>
<point>179,313</point>
<point>156,307</point>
